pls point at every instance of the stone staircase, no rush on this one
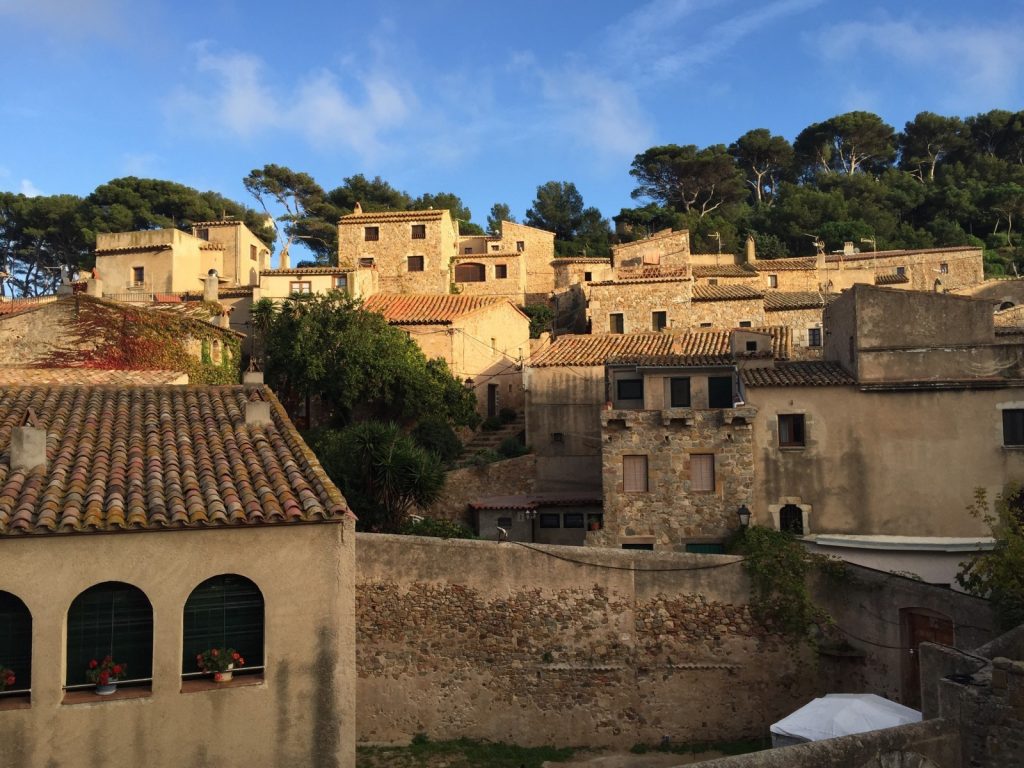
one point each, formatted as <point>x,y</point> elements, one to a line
<point>483,439</point>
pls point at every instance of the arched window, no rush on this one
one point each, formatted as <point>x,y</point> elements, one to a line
<point>110,619</point>
<point>15,645</point>
<point>1006,305</point>
<point>224,612</point>
<point>791,520</point>
<point>470,273</point>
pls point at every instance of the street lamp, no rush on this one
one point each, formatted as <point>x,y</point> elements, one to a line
<point>744,515</point>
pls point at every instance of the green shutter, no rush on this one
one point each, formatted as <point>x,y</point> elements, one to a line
<point>16,640</point>
<point>224,612</point>
<point>110,619</point>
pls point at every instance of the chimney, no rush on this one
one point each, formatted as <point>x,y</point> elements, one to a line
<point>848,249</point>
<point>751,250</point>
<point>285,260</point>
<point>94,287</point>
<point>28,444</point>
<point>210,286</point>
<point>252,378</point>
<point>257,410</point>
<point>357,208</point>
<point>224,319</point>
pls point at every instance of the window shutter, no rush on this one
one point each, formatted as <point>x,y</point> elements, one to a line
<point>634,474</point>
<point>702,471</point>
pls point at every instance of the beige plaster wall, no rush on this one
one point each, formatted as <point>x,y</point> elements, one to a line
<point>490,346</point>
<point>177,270</point>
<point>236,238</point>
<point>303,713</point>
<point>278,287</point>
<point>897,463</point>
<point>395,244</point>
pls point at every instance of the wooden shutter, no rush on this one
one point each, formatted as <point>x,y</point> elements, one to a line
<point>634,474</point>
<point>702,472</point>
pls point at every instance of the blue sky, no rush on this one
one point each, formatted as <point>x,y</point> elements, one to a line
<point>457,96</point>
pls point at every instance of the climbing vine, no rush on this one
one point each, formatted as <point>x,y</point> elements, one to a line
<point>113,336</point>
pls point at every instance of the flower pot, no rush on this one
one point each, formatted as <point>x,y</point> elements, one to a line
<point>225,676</point>
<point>106,690</point>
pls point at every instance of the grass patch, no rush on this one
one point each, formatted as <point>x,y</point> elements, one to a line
<point>461,753</point>
<point>741,747</point>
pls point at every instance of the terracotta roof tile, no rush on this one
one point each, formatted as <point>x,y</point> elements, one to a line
<point>865,255</point>
<point>429,309</point>
<point>324,270</point>
<point>12,376</point>
<point>723,270</point>
<point>370,217</point>
<point>136,248</point>
<point>152,458</point>
<point>648,275</point>
<point>581,260</point>
<point>597,349</point>
<point>778,301</point>
<point>488,255</point>
<point>725,293</point>
<point>893,278</point>
<point>785,265</point>
<point>812,373</point>
<point>219,223</point>
<point>16,306</point>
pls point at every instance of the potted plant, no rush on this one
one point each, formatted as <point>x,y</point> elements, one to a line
<point>6,678</point>
<point>105,674</point>
<point>219,661</point>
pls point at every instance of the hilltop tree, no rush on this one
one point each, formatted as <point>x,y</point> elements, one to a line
<point>38,236</point>
<point>298,194</point>
<point>559,208</point>
<point>925,141</point>
<point>688,179</point>
<point>846,144</point>
<point>764,159</point>
<point>372,194</point>
<point>499,212</point>
<point>458,210</point>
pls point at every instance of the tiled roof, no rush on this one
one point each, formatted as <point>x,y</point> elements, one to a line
<point>156,458</point>
<point>894,278</point>
<point>370,217</point>
<point>220,223</point>
<point>136,248</point>
<point>725,293</point>
<point>324,270</point>
<point>723,270</point>
<point>597,349</point>
<point>812,373</point>
<point>785,265</point>
<point>211,247</point>
<point>82,376</point>
<point>581,260</point>
<point>648,275</point>
<point>533,501</point>
<point>865,255</point>
<point>167,298</point>
<point>488,255</point>
<point>777,301</point>
<point>428,309</point>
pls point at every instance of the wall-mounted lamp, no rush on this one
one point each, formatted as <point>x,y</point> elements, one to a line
<point>744,515</point>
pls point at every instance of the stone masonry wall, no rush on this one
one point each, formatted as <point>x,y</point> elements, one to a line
<point>543,645</point>
<point>726,314</point>
<point>670,510</point>
<point>799,321</point>
<point>500,478</point>
<point>637,301</point>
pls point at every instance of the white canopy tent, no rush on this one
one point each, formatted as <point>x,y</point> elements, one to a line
<point>840,714</point>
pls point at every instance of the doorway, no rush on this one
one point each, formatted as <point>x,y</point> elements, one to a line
<point>492,400</point>
<point>919,625</point>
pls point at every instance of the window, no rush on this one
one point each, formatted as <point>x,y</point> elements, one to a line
<point>110,619</point>
<point>791,430</point>
<point>773,281</point>
<point>252,252</point>
<point>702,472</point>
<point>520,245</point>
<point>814,337</point>
<point>341,283</point>
<point>419,231</point>
<point>549,520</point>
<point>371,233</point>
<point>745,324</point>
<point>639,546</point>
<point>720,392</point>
<point>138,276</point>
<point>944,268</point>
<point>679,391</point>
<point>415,263</point>
<point>572,520</point>
<point>791,520</point>
<point>616,323</point>
<point>300,286</point>
<point>901,271</point>
<point>500,271</point>
<point>203,234</point>
<point>495,248</point>
<point>629,389</point>
<point>705,548</point>
<point>712,281</point>
<point>634,474</point>
<point>470,273</point>
<point>659,320</point>
<point>751,346</point>
<point>15,642</point>
<point>224,612</point>
<point>468,249</point>
<point>588,276</point>
<point>705,325</point>
<point>366,262</point>
<point>1013,426</point>
<point>557,437</point>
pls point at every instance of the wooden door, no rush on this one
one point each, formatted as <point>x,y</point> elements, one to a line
<point>919,625</point>
<point>492,400</point>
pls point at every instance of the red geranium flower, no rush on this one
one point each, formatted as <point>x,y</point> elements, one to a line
<point>241,661</point>
<point>117,669</point>
<point>93,664</point>
<point>235,656</point>
<point>104,678</point>
<point>9,680</point>
<point>215,653</point>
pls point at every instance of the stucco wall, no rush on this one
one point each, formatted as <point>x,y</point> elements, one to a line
<point>301,714</point>
<point>178,269</point>
<point>490,347</point>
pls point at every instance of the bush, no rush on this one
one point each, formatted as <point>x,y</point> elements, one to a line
<point>540,316</point>
<point>435,434</point>
<point>484,457</point>
<point>491,424</point>
<point>507,415</point>
<point>435,527</point>
<point>511,447</point>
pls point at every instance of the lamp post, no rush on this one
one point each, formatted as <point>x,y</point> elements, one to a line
<point>744,515</point>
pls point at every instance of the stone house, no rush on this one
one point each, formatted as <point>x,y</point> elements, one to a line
<point>169,521</point>
<point>280,284</point>
<point>484,340</point>
<point>516,263</point>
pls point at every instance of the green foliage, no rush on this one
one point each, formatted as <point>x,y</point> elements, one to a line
<point>381,470</point>
<point>559,208</point>
<point>778,566</point>
<point>436,528</point>
<point>688,179</point>
<point>359,367</point>
<point>499,212</point>
<point>511,447</point>
<point>999,574</point>
<point>491,424</point>
<point>435,434</point>
<point>541,316</point>
<point>483,457</point>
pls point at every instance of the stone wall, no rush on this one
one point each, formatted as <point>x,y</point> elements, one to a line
<point>726,314</point>
<point>500,478</point>
<point>636,301</point>
<point>670,510</point>
<point>665,248</point>
<point>395,244</point>
<point>799,321</point>
<point>511,287</point>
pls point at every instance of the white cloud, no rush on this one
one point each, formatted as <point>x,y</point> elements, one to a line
<point>976,65</point>
<point>28,189</point>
